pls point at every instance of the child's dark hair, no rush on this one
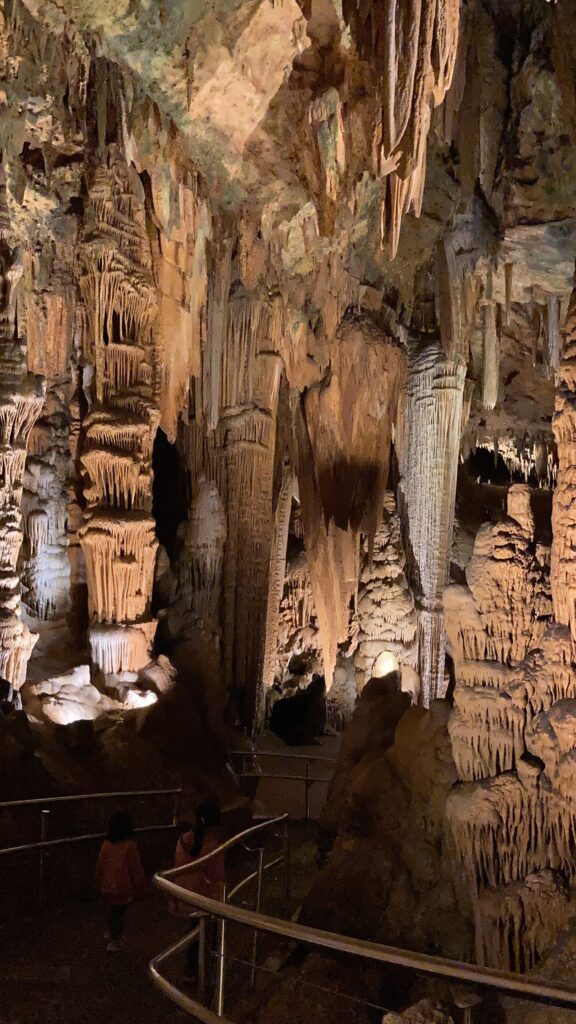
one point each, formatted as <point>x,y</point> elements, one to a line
<point>207,816</point>
<point>120,827</point>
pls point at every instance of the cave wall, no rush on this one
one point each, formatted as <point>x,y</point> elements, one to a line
<point>326,253</point>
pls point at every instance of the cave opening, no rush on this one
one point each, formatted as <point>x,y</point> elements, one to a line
<point>169,491</point>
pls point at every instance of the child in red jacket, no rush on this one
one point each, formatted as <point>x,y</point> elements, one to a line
<point>120,874</point>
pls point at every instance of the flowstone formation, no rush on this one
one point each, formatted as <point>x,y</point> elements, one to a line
<point>21,401</point>
<point>511,732</point>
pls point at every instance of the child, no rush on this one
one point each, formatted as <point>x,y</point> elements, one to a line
<point>120,874</point>
<point>196,841</point>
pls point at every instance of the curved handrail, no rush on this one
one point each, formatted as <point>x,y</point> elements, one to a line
<point>504,981</point>
<point>239,837</point>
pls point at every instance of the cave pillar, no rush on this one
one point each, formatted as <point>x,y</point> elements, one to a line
<point>563,560</point>
<point>429,463</point>
<point>240,393</point>
<point>21,401</point>
<point>118,534</point>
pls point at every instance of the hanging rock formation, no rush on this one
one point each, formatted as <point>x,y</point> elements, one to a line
<point>412,47</point>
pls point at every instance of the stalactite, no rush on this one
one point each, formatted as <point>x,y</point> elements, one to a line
<point>239,457</point>
<point>429,463</point>
<point>413,47</point>
<point>343,457</point>
<point>508,285</point>
<point>45,565</point>
<point>552,335</point>
<point>491,350</point>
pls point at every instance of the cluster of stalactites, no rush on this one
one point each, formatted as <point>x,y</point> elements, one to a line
<point>528,457</point>
<point>413,46</point>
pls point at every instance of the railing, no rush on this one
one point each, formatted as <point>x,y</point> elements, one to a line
<point>307,779</point>
<point>45,804</point>
<point>200,933</point>
<point>225,912</point>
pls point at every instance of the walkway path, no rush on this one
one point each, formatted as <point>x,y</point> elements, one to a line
<point>287,796</point>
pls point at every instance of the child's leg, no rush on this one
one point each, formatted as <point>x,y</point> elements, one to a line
<point>116,920</point>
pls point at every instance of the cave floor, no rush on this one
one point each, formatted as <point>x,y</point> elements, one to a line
<point>54,967</point>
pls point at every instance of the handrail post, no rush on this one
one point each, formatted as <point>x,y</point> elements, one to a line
<point>43,833</point>
<point>202,930</point>
<point>221,957</point>
<point>287,860</point>
<point>257,909</point>
<point>307,791</point>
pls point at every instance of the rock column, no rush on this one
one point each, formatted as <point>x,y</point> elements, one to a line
<point>118,535</point>
<point>429,464</point>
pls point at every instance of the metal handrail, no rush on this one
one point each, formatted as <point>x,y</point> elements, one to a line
<point>87,796</point>
<point>441,967</point>
<point>280,753</point>
<point>307,778</point>
<point>66,840</point>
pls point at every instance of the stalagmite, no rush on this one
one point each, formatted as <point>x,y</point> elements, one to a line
<point>386,615</point>
<point>200,577</point>
<point>277,574</point>
<point>429,463</point>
